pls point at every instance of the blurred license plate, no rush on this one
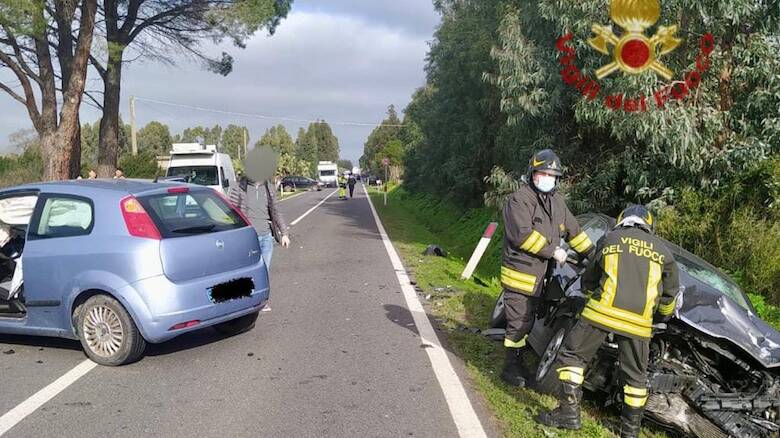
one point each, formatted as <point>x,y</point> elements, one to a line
<point>231,290</point>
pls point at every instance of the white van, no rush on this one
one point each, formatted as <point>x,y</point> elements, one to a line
<point>203,165</point>
<point>327,173</point>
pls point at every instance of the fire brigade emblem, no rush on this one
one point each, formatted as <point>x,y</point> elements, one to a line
<point>633,52</point>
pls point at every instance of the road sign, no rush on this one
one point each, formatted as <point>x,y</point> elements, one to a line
<point>385,161</point>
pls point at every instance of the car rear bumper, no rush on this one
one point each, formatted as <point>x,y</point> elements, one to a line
<point>157,304</point>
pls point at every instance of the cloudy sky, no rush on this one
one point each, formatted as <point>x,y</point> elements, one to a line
<point>340,60</point>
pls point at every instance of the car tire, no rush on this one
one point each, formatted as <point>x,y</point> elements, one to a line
<point>545,378</point>
<point>498,317</point>
<point>238,325</point>
<point>108,333</point>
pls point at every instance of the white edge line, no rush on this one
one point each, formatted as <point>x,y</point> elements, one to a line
<point>312,209</point>
<point>27,407</point>
<point>466,419</point>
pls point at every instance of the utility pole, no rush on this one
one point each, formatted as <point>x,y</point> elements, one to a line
<point>132,126</point>
<point>246,141</point>
<point>243,144</point>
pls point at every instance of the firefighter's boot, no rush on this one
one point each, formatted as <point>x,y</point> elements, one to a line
<point>511,372</point>
<point>567,414</point>
<point>630,422</point>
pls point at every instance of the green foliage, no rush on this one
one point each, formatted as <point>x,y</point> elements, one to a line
<point>317,143</point>
<point>144,165</point>
<point>344,164</point>
<point>90,141</point>
<point>279,139</point>
<point>155,137</point>
<point>233,140</point>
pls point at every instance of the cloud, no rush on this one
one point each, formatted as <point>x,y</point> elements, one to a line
<point>340,60</point>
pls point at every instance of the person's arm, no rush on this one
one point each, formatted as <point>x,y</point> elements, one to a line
<point>577,238</point>
<point>518,227</point>
<point>591,278</point>
<point>277,220</point>
<point>671,289</point>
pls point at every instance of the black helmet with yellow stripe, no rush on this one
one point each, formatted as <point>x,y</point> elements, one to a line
<point>545,160</point>
<point>639,211</point>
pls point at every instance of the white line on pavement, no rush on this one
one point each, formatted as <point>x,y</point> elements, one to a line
<point>312,209</point>
<point>27,407</point>
<point>466,419</point>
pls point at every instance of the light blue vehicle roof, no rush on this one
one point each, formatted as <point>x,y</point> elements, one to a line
<point>103,186</point>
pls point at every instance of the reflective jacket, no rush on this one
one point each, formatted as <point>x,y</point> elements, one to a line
<point>633,277</point>
<point>534,224</point>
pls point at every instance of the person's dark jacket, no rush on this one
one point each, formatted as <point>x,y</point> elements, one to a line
<point>632,278</point>
<point>258,203</point>
<point>534,224</point>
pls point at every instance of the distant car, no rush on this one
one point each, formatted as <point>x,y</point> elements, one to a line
<point>119,263</point>
<point>292,183</point>
<point>713,369</point>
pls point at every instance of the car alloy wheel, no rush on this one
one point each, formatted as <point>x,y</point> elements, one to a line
<point>103,331</point>
<point>550,354</point>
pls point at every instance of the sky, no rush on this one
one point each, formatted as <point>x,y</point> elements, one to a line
<point>338,60</point>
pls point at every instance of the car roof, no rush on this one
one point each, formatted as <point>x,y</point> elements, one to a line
<point>123,186</point>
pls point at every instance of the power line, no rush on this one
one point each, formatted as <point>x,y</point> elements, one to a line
<point>261,116</point>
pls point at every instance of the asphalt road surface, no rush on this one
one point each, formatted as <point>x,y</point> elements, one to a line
<point>338,355</point>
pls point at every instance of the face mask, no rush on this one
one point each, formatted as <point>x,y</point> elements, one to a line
<point>545,184</point>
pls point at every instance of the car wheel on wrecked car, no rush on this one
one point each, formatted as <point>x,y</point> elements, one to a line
<point>108,333</point>
<point>546,380</point>
<point>238,325</point>
<point>498,317</point>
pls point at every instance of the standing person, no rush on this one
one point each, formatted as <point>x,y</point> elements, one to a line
<point>351,183</point>
<point>258,203</point>
<point>633,277</point>
<point>342,183</point>
<point>535,220</point>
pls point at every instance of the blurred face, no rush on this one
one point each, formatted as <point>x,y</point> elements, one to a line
<point>545,181</point>
<point>118,173</point>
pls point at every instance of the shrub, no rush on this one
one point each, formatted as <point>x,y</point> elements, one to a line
<point>144,165</point>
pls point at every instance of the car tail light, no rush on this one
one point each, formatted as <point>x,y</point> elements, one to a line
<point>236,209</point>
<point>138,221</point>
<point>179,190</point>
<point>183,325</point>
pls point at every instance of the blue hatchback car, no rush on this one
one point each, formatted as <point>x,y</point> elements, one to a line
<point>119,263</point>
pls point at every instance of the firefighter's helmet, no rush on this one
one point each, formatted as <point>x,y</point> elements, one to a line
<point>639,211</point>
<point>545,160</point>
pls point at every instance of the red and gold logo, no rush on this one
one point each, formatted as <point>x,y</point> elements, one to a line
<point>634,52</point>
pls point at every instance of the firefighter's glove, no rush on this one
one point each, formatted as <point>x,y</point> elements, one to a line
<point>560,255</point>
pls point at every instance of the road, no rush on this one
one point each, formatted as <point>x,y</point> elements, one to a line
<point>338,355</point>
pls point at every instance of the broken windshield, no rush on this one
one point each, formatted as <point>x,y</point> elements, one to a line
<point>712,278</point>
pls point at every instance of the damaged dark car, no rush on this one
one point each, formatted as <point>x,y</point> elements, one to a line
<point>714,368</point>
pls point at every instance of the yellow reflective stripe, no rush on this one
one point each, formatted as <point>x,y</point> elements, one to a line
<point>581,243</point>
<point>621,314</point>
<point>571,374</point>
<point>631,390</point>
<point>635,402</point>
<point>511,344</point>
<point>531,240</point>
<point>515,275</point>
<point>668,309</point>
<point>538,246</point>
<point>653,278</point>
<point>616,324</point>
<point>610,284</point>
<point>517,285</point>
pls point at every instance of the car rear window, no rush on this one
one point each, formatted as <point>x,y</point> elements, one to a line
<point>191,213</point>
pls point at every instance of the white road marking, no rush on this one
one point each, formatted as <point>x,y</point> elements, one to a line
<point>312,209</point>
<point>466,419</point>
<point>27,407</point>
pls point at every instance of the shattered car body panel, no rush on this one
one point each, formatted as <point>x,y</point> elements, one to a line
<point>713,370</point>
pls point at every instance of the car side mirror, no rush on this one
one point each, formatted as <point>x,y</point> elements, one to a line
<point>225,183</point>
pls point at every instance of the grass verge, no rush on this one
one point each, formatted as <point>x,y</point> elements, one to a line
<point>462,308</point>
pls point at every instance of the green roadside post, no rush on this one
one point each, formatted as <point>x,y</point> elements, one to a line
<point>386,162</point>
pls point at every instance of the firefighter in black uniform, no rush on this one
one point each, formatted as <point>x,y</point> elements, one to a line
<point>535,220</point>
<point>632,278</point>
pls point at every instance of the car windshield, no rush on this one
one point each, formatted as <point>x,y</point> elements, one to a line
<point>186,214</point>
<point>201,175</point>
<point>712,278</point>
<point>327,172</point>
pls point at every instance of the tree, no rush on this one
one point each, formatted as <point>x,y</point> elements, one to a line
<point>327,144</point>
<point>279,139</point>
<point>233,140</point>
<point>157,28</point>
<point>374,149</point>
<point>155,138</point>
<point>28,30</point>
<point>306,150</point>
<point>344,164</point>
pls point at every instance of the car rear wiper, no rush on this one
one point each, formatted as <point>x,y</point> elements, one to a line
<point>195,229</point>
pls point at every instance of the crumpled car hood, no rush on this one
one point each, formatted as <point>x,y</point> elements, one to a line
<point>719,317</point>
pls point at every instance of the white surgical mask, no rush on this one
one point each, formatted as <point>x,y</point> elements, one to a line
<point>546,183</point>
